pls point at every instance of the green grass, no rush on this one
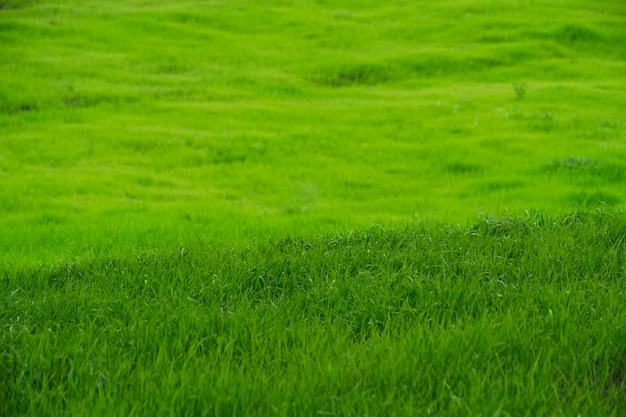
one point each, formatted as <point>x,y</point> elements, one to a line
<point>148,124</point>
<point>155,156</point>
<point>511,316</point>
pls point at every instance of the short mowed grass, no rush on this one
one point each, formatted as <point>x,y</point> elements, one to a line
<point>152,124</point>
<point>299,207</point>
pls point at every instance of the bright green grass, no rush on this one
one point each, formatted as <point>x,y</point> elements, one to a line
<point>155,155</point>
<point>512,317</point>
<point>150,124</point>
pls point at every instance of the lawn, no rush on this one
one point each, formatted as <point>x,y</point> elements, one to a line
<point>299,207</point>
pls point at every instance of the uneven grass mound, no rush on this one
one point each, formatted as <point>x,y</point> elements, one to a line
<point>511,316</point>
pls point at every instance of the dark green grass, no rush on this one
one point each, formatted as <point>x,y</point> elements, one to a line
<point>518,316</point>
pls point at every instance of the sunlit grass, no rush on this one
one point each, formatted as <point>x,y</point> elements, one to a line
<point>312,207</point>
<point>117,120</point>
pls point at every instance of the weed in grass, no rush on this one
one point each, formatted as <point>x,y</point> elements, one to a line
<point>520,90</point>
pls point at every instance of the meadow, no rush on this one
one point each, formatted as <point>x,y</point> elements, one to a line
<point>299,207</point>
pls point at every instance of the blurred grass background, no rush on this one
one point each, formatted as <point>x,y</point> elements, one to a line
<point>145,124</point>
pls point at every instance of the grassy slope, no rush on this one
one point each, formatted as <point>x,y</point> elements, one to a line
<point>145,124</point>
<point>131,128</point>
<point>520,317</point>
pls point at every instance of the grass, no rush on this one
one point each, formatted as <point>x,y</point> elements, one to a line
<point>510,316</point>
<point>179,183</point>
<point>148,124</point>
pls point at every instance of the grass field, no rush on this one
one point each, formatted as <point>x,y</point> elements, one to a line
<point>521,317</point>
<point>299,207</point>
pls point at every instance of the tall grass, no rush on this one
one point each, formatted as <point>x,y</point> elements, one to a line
<point>510,316</point>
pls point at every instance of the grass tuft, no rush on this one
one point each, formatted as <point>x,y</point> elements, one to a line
<point>577,33</point>
<point>351,74</point>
